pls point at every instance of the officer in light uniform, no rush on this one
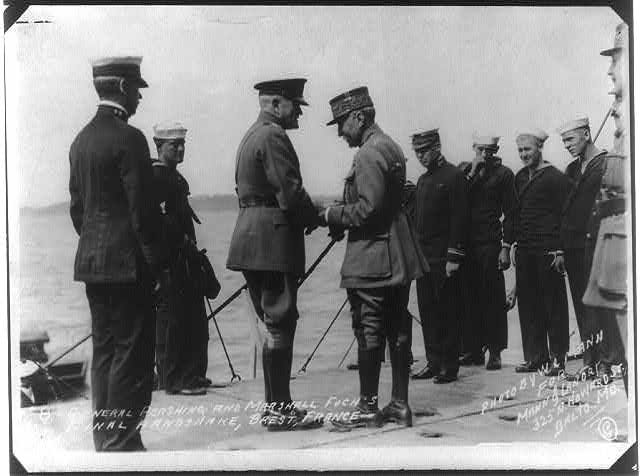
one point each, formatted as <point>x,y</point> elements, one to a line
<point>182,332</point>
<point>120,252</point>
<point>607,287</point>
<point>381,258</point>
<point>267,245</point>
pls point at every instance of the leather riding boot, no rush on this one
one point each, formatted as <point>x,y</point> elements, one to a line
<point>398,410</point>
<point>368,414</point>
<point>266,370</point>
<point>279,376</point>
<point>369,372</point>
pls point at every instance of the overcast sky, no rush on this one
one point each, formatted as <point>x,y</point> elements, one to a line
<point>461,69</point>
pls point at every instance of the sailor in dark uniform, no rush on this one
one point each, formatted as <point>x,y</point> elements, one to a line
<point>268,240</point>
<point>381,259</point>
<point>542,299</point>
<point>182,333</point>
<point>492,195</point>
<point>586,173</point>
<point>120,253</point>
<point>442,218</point>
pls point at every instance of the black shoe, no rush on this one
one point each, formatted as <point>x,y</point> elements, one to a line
<point>188,391</point>
<point>555,369</point>
<point>291,420</point>
<point>494,362</point>
<point>446,376</point>
<point>602,380</point>
<point>362,418</point>
<point>470,358</point>
<point>353,366</point>
<point>398,412</point>
<point>426,373</point>
<point>585,373</point>
<point>264,418</point>
<point>205,382</point>
<point>528,367</point>
<point>192,391</point>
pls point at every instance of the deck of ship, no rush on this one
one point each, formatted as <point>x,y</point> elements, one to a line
<point>485,419</point>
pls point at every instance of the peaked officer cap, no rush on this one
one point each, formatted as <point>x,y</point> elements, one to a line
<point>620,40</point>
<point>425,140</point>
<point>579,123</point>
<point>352,100</point>
<point>291,89</point>
<point>534,132</point>
<point>169,131</point>
<point>126,67</point>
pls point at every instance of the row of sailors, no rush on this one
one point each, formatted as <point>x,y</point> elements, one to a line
<point>126,251</point>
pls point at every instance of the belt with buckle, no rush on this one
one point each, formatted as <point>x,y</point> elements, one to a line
<point>269,202</point>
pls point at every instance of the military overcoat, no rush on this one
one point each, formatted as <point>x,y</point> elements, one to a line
<point>274,206</point>
<point>381,249</point>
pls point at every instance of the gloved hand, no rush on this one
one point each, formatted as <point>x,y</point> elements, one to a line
<point>336,232</point>
<point>511,298</point>
<point>310,229</point>
<point>451,268</point>
<point>558,262</point>
<point>504,260</point>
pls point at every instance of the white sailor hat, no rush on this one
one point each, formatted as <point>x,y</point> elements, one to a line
<point>169,131</point>
<point>127,67</point>
<point>486,140</point>
<point>578,123</point>
<point>533,132</point>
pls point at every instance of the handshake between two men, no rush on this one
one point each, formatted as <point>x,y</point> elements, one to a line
<point>336,232</point>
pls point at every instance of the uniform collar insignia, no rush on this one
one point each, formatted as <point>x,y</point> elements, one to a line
<point>118,109</point>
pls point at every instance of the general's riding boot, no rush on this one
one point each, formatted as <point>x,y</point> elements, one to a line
<point>368,414</point>
<point>279,376</point>
<point>284,416</point>
<point>398,410</point>
<point>266,370</point>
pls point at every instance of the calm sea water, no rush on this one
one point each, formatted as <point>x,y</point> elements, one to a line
<point>50,300</point>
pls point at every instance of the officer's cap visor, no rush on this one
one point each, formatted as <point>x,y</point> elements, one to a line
<point>610,51</point>
<point>339,118</point>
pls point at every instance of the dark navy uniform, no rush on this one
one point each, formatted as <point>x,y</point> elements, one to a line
<point>575,232</point>
<point>182,332</point>
<point>542,297</point>
<point>491,195</point>
<point>119,254</point>
<point>442,217</point>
